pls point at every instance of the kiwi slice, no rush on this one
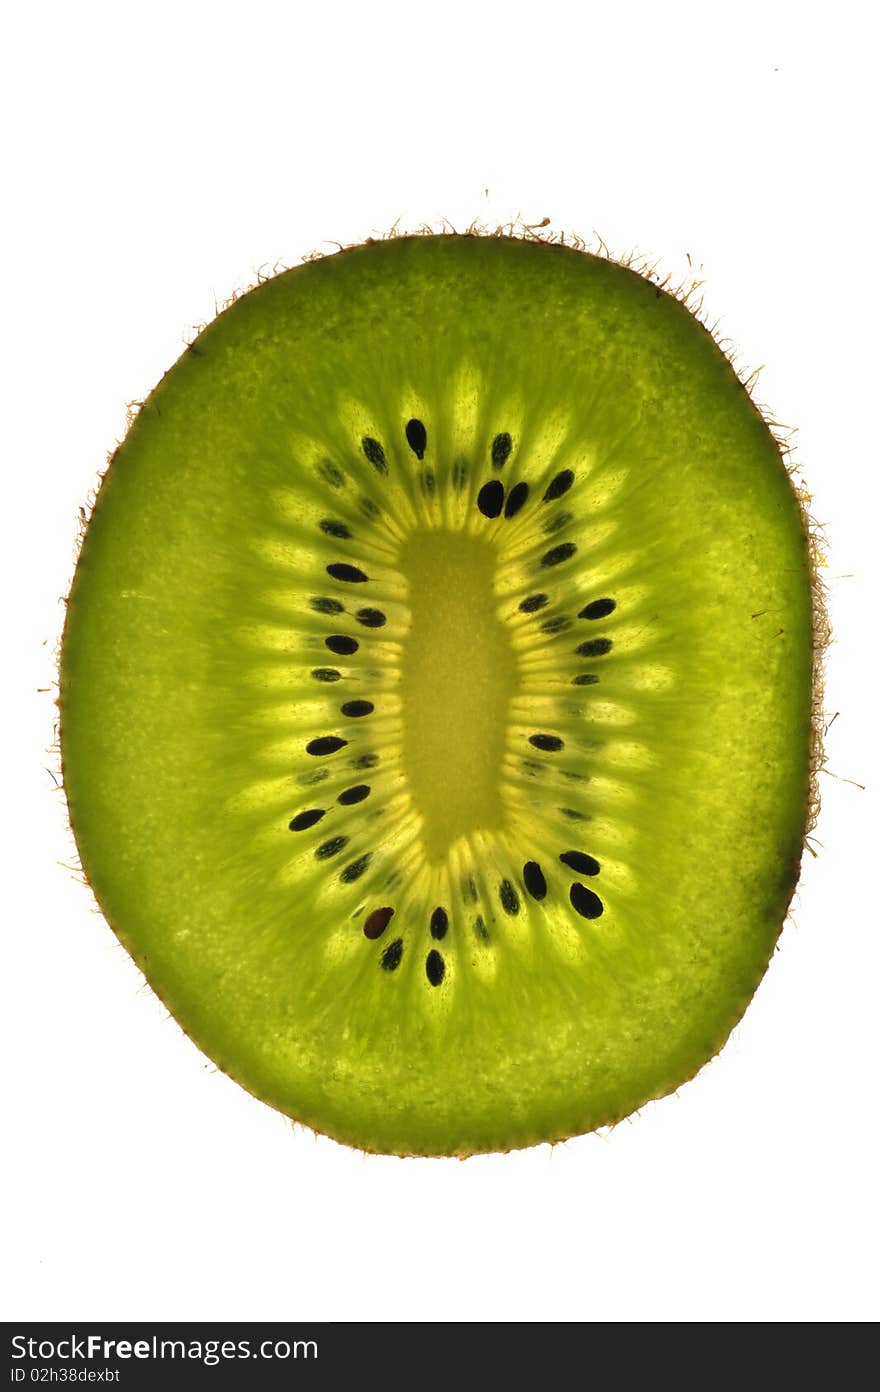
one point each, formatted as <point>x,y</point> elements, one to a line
<point>436,693</point>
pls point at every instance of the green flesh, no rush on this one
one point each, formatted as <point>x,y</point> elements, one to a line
<point>188,700</point>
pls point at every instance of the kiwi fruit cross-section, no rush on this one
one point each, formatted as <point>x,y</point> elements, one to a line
<point>436,693</point>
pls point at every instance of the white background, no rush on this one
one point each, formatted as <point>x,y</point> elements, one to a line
<point>156,157</point>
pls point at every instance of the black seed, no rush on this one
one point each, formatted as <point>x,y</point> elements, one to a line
<point>581,862</point>
<point>598,609</point>
<point>585,679</point>
<point>349,573</point>
<point>552,743</point>
<point>353,795</point>
<point>490,499</point>
<point>370,618</point>
<point>557,554</point>
<point>341,644</point>
<point>480,928</point>
<point>533,878</point>
<point>594,647</point>
<point>428,482</point>
<point>417,438</point>
<point>573,815</point>
<point>322,604</point>
<point>377,922</point>
<point>439,924</point>
<point>354,709</point>
<point>392,955</point>
<point>435,967</point>
<point>509,897</point>
<point>325,674</point>
<point>555,524</point>
<point>331,847</point>
<point>334,529</point>
<point>459,474</point>
<point>532,603</point>
<point>375,453</point>
<point>556,625</point>
<point>469,888</point>
<point>501,447</point>
<point>330,474</point>
<point>369,508</point>
<point>558,486</point>
<point>365,761</point>
<point>588,904</point>
<point>325,744</point>
<point>303,820</point>
<point>516,499</point>
<point>357,867</point>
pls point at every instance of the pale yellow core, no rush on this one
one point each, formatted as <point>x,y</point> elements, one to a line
<point>458,673</point>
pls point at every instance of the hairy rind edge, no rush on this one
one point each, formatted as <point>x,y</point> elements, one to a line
<point>688,293</point>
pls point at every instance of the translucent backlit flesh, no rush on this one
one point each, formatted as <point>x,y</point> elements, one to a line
<point>435,693</point>
<point>458,678</point>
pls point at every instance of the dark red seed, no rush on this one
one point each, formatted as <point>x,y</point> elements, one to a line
<point>377,922</point>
